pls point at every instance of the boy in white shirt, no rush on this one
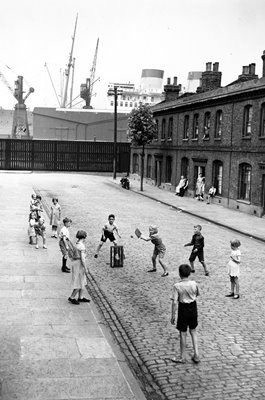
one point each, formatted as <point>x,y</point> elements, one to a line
<point>64,237</point>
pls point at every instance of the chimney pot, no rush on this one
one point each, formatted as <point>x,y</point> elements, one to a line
<point>168,81</point>
<point>252,68</point>
<point>216,66</point>
<point>175,81</point>
<point>245,70</point>
<point>208,66</point>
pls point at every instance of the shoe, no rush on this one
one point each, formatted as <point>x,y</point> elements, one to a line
<point>236,296</point>
<point>66,270</point>
<point>95,256</point>
<point>196,360</point>
<point>165,274</point>
<point>151,270</point>
<point>178,360</point>
<point>36,247</point>
<point>84,300</point>
<point>207,273</point>
<point>229,295</point>
<point>45,247</point>
<point>192,271</point>
<point>52,236</point>
<point>73,301</point>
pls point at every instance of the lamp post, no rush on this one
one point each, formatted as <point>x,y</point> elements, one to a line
<point>115,92</point>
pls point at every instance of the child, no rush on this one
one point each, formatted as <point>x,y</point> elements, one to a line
<point>64,236</point>
<point>197,242</point>
<point>32,200</point>
<point>108,233</point>
<point>36,206</point>
<point>211,194</point>
<point>79,271</point>
<point>159,249</point>
<point>31,228</point>
<point>233,268</point>
<point>55,217</point>
<point>184,294</point>
<point>40,230</point>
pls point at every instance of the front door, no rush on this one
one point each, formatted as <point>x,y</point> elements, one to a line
<point>158,173</point>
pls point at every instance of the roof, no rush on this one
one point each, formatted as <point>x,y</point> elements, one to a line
<point>224,92</point>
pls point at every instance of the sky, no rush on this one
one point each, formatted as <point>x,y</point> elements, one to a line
<point>176,36</point>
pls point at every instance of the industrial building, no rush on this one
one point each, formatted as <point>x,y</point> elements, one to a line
<point>217,131</point>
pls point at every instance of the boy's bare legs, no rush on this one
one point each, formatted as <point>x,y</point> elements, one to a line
<point>192,266</point>
<point>37,242</point>
<point>183,341</point>
<point>236,285</point>
<point>98,249</point>
<point>205,268</point>
<point>154,264</point>
<point>194,339</point>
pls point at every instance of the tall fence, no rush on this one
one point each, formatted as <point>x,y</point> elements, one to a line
<point>54,155</point>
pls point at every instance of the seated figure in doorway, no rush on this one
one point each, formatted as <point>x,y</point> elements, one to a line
<point>182,186</point>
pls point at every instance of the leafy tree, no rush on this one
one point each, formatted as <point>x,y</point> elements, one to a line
<point>142,130</point>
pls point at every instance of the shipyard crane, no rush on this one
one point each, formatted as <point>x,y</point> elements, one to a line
<point>86,89</point>
<point>20,128</point>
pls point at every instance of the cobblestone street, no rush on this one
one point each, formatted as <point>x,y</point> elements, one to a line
<point>231,332</point>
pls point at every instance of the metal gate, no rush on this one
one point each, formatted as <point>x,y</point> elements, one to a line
<point>54,155</point>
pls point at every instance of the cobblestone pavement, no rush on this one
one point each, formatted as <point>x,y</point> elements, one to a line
<point>231,332</point>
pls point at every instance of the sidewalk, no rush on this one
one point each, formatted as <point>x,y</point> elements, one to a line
<point>50,349</point>
<point>238,222</point>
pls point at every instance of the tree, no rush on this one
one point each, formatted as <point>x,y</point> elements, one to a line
<point>142,130</point>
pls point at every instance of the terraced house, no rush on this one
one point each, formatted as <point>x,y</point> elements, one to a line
<point>217,131</point>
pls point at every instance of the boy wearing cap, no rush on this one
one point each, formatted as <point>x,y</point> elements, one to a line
<point>64,237</point>
<point>197,242</point>
<point>159,249</point>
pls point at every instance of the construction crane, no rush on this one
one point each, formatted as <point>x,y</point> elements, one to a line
<point>20,128</point>
<point>86,89</point>
<point>69,65</point>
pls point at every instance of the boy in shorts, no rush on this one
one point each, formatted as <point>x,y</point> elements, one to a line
<point>64,237</point>
<point>197,242</point>
<point>159,249</point>
<point>108,233</point>
<point>184,294</point>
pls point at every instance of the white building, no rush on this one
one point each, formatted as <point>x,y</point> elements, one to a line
<point>150,91</point>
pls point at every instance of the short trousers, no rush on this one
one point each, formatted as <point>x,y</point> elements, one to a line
<point>63,248</point>
<point>107,235</point>
<point>159,253</point>
<point>187,316</point>
<point>198,254</point>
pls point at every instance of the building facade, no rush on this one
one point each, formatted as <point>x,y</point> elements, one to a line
<point>219,132</point>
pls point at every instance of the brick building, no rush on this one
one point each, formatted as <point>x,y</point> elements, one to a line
<point>217,131</point>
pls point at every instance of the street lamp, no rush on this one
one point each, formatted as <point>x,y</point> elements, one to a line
<point>115,92</point>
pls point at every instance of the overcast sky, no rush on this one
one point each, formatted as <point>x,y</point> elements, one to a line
<point>176,36</point>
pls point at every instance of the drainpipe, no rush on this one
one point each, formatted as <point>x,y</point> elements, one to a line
<point>230,155</point>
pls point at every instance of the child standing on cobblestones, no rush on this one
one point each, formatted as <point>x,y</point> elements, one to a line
<point>159,250</point>
<point>108,233</point>
<point>233,268</point>
<point>197,242</point>
<point>55,219</point>
<point>184,294</point>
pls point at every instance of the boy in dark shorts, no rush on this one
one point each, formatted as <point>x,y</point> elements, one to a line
<point>184,294</point>
<point>197,242</point>
<point>108,233</point>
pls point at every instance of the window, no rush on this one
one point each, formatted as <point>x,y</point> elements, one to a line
<point>126,104</point>
<point>170,129</point>
<point>195,128</point>
<point>111,103</point>
<point>152,99</point>
<point>262,120</point>
<point>131,104</point>
<point>218,124</point>
<point>163,130</point>
<point>184,168</point>
<point>149,166</point>
<point>186,127</point>
<point>244,181</point>
<point>135,165</point>
<point>121,103</point>
<point>218,176</point>
<point>207,125</point>
<point>247,121</point>
<point>135,105</point>
<point>168,169</point>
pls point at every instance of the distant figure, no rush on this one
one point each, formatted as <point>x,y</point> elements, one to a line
<point>211,194</point>
<point>40,231</point>
<point>182,186</point>
<point>125,183</point>
<point>55,219</point>
<point>233,268</point>
<point>200,185</point>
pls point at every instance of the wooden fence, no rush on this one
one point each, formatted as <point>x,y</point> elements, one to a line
<point>54,155</point>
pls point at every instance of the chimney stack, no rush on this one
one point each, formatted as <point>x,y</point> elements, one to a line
<point>211,79</point>
<point>248,73</point>
<point>172,91</point>
<point>263,64</point>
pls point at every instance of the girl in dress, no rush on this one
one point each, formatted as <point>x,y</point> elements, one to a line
<point>79,271</point>
<point>55,219</point>
<point>31,227</point>
<point>233,268</point>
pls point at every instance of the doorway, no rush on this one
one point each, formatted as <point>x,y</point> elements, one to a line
<point>158,173</point>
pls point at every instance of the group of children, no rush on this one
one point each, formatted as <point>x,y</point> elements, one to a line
<point>184,292</point>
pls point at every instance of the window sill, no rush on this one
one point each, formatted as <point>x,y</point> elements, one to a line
<point>205,139</point>
<point>217,139</point>
<point>169,140</point>
<point>163,140</point>
<point>243,201</point>
<point>262,137</point>
<point>246,137</point>
<point>185,140</point>
<point>195,139</point>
